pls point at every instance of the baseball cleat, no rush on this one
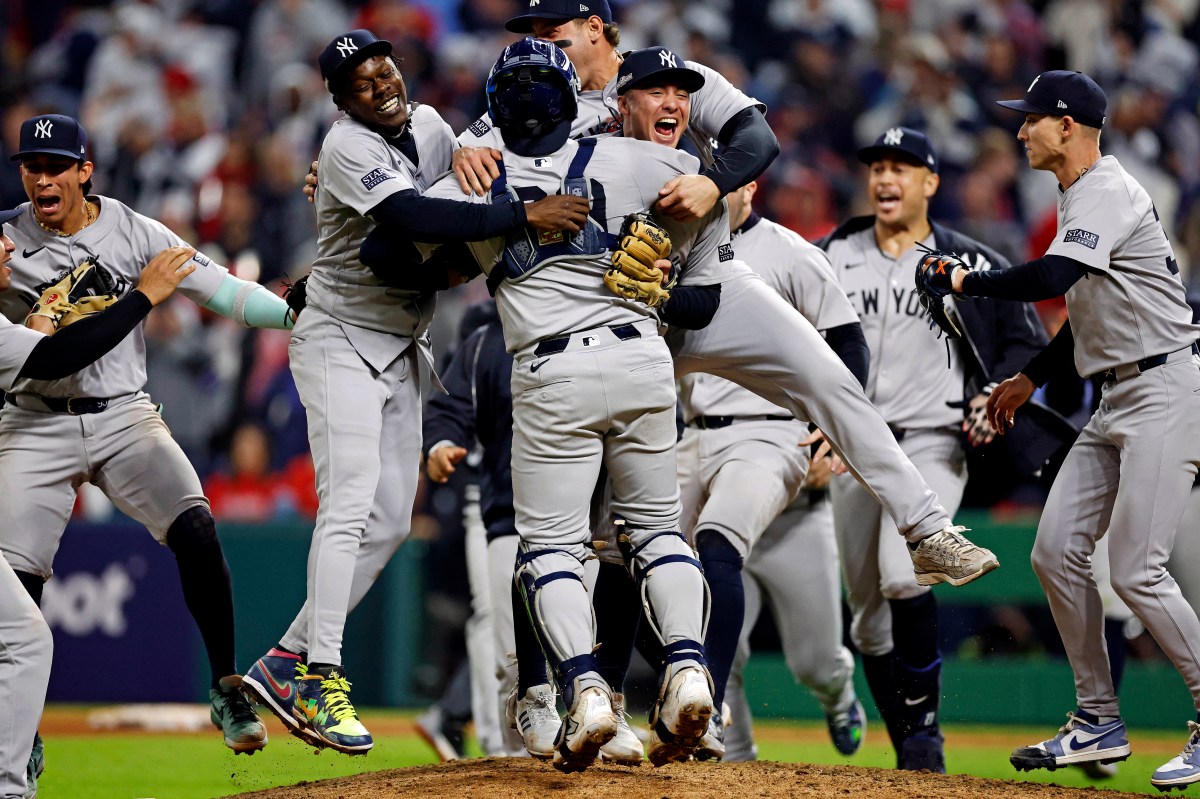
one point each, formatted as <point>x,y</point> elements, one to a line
<point>948,557</point>
<point>323,706</point>
<point>1080,740</point>
<point>712,742</point>
<point>922,752</point>
<point>625,748</point>
<point>271,681</point>
<point>589,725</point>
<point>1183,769</point>
<point>847,728</point>
<point>536,716</point>
<point>35,767</point>
<point>235,717</point>
<point>445,739</point>
<point>681,717</point>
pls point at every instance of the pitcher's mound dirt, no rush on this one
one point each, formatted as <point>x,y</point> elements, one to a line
<point>521,778</point>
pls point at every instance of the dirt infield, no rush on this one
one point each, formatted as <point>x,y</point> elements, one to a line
<point>505,778</point>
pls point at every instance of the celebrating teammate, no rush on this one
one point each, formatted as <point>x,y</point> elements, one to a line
<point>355,358</point>
<point>42,438</point>
<point>895,620</point>
<point>1130,323</point>
<point>27,354</point>
<point>740,467</point>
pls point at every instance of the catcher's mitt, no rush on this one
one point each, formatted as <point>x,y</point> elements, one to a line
<point>296,296</point>
<point>634,274</point>
<point>934,271</point>
<point>77,293</point>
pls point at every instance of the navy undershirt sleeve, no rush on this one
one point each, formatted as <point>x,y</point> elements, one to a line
<point>1040,279</point>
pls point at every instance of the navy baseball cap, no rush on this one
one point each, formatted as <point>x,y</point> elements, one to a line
<point>559,10</point>
<point>656,66</point>
<point>52,134</point>
<point>8,216</point>
<point>904,141</point>
<point>347,51</point>
<point>1062,93</point>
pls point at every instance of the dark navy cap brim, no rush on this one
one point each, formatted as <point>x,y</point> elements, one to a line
<point>380,47</point>
<point>869,155</point>
<point>1024,106</point>
<point>524,23</point>
<point>687,79</point>
<point>47,151</point>
<point>8,216</point>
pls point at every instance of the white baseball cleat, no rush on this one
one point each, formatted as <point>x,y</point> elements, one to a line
<point>681,717</point>
<point>625,748</point>
<point>589,725</point>
<point>536,716</point>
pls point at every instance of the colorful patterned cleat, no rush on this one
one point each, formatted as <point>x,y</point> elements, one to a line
<point>271,681</point>
<point>847,728</point>
<point>233,715</point>
<point>323,707</point>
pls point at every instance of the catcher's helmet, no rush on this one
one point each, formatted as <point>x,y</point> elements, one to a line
<point>531,87</point>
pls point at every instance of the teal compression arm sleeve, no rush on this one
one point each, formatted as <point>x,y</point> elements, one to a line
<point>250,304</point>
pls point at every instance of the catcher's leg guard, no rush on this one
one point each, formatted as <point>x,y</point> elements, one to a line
<point>551,583</point>
<point>675,598</point>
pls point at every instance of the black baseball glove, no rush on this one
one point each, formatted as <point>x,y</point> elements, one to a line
<point>296,296</point>
<point>934,271</point>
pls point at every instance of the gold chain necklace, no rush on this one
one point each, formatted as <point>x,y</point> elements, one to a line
<point>91,217</point>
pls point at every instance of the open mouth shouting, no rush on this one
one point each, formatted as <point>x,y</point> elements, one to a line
<point>887,201</point>
<point>666,129</point>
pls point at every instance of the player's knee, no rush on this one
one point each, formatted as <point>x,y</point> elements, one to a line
<point>41,642</point>
<point>716,548</point>
<point>193,532</point>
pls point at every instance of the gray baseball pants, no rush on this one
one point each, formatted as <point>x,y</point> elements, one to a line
<point>762,343</point>
<point>1128,478</point>
<point>26,651</point>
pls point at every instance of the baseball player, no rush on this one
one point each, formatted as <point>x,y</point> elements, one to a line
<point>591,382</point>
<point>894,622</point>
<point>741,344</point>
<point>25,353</point>
<point>740,466</point>
<point>354,357</point>
<point>98,425</point>
<point>587,34</point>
<point>1128,475</point>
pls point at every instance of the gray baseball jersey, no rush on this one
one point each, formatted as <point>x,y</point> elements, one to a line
<point>124,242</point>
<point>16,342</point>
<point>354,358</point>
<point>109,449</point>
<point>801,273</point>
<point>909,381</point>
<point>1129,474</point>
<point>1107,221</point>
<point>570,295</point>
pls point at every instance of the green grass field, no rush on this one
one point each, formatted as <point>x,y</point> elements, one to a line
<point>190,766</point>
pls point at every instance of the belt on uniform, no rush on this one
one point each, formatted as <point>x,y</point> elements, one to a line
<point>1119,374</point>
<point>717,422</point>
<point>553,346</point>
<point>75,406</point>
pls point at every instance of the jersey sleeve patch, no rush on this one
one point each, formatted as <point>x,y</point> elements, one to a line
<point>479,128</point>
<point>1080,236</point>
<point>375,177</point>
<point>725,253</point>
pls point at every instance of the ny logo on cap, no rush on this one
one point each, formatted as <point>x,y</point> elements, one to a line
<point>892,137</point>
<point>533,3</point>
<point>346,46</point>
<point>1035,80</point>
<point>42,129</point>
<point>667,58</point>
